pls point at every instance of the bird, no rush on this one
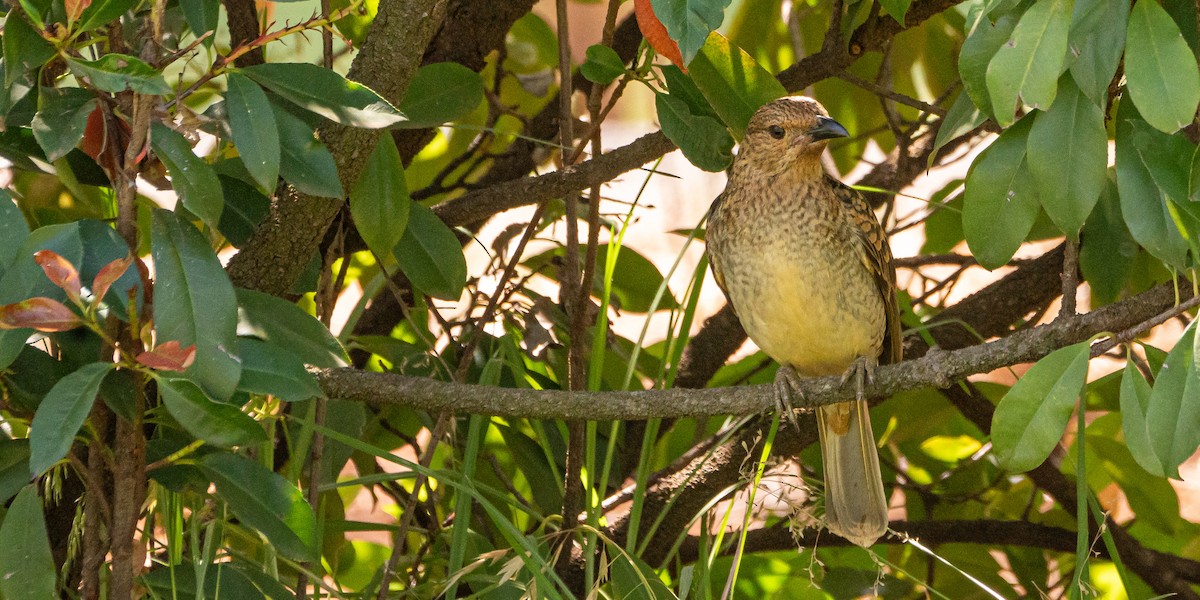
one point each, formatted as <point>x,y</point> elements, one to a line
<point>807,267</point>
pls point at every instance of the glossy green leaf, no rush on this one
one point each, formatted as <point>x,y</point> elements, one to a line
<point>14,467</point>
<point>254,130</point>
<point>1069,176</point>
<point>193,178</point>
<point>1108,249</point>
<point>61,414</point>
<point>1032,416</point>
<point>1160,68</point>
<point>26,564</point>
<point>1001,201</point>
<point>245,207</point>
<point>24,49</point>
<point>962,117</point>
<point>1173,412</point>
<point>603,65</point>
<point>25,279</point>
<point>102,12</point>
<point>684,88</point>
<point>194,303</point>
<point>379,200</point>
<point>734,84</point>
<point>703,140</point>
<point>977,51</point>
<point>440,93</point>
<point>689,22</point>
<point>635,281</point>
<point>1100,52</point>
<point>1135,399</point>
<point>431,256</point>
<point>1144,182</point>
<point>304,161</point>
<point>216,423</point>
<point>356,24</point>
<point>1026,68</point>
<point>285,326</point>
<point>265,501</point>
<point>270,369</point>
<point>324,92</point>
<point>117,73</point>
<point>59,124</point>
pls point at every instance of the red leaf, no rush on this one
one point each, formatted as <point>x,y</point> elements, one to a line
<point>108,275</point>
<point>656,34</point>
<point>59,272</point>
<point>42,314</point>
<point>168,356</point>
<point>75,8</point>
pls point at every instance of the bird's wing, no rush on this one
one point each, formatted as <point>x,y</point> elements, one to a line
<point>716,265</point>
<point>877,257</point>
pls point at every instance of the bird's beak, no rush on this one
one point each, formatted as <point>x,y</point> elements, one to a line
<point>827,129</point>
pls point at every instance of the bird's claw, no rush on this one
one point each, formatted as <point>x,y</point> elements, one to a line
<point>862,370</point>
<point>787,386</point>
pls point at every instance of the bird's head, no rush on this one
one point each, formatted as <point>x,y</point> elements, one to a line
<point>788,133</point>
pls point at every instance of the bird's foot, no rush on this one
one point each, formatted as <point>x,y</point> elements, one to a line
<point>862,370</point>
<point>787,386</point>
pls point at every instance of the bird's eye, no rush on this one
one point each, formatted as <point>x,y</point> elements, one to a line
<point>776,132</point>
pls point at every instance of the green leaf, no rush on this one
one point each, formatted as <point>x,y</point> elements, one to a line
<point>1172,414</point>
<point>201,16</point>
<point>24,49</point>
<point>1144,182</point>
<point>285,326</point>
<point>734,84</point>
<point>689,22</point>
<point>102,12</point>
<point>1030,419</point>
<point>1026,68</point>
<point>1160,69</point>
<point>194,179</point>
<point>245,207</point>
<point>59,124</point>
<point>1135,398</point>
<point>603,65</point>
<point>254,130</point>
<point>61,414</point>
<point>194,303</point>
<point>896,8</point>
<point>222,581</point>
<point>1100,52</point>
<point>379,200</point>
<point>962,117</point>
<point>440,93</point>
<point>981,45</point>
<point>26,564</point>
<point>216,423</point>
<point>1108,249</point>
<point>265,501</point>
<point>431,256</point>
<point>117,73</point>
<point>271,369</point>
<point>703,140</point>
<point>14,467</point>
<point>305,162</point>
<point>1069,176</point>
<point>1001,201</point>
<point>13,231</point>
<point>635,281</point>
<point>683,88</point>
<point>324,92</point>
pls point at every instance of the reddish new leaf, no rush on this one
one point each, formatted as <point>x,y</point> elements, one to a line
<point>168,356</point>
<point>60,272</point>
<point>75,8</point>
<point>42,314</point>
<point>108,275</point>
<point>656,34</point>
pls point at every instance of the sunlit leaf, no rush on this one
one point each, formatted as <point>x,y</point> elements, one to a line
<point>431,256</point>
<point>1173,412</point>
<point>1032,416</point>
<point>1026,68</point>
<point>1144,181</point>
<point>326,93</point>
<point>379,200</point>
<point>440,93</point>
<point>733,82</point>
<point>108,275</point>
<point>1160,68</point>
<point>1069,176</point>
<point>603,65</point>
<point>1135,398</point>
<point>169,356</point>
<point>60,272</point>
<point>117,73</point>
<point>42,314</point>
<point>689,22</point>
<point>1001,201</point>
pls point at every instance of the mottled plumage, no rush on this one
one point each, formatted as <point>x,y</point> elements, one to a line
<point>807,267</point>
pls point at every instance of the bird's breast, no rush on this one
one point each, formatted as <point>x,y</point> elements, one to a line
<point>798,283</point>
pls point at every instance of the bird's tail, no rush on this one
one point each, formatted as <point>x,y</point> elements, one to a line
<point>855,507</point>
